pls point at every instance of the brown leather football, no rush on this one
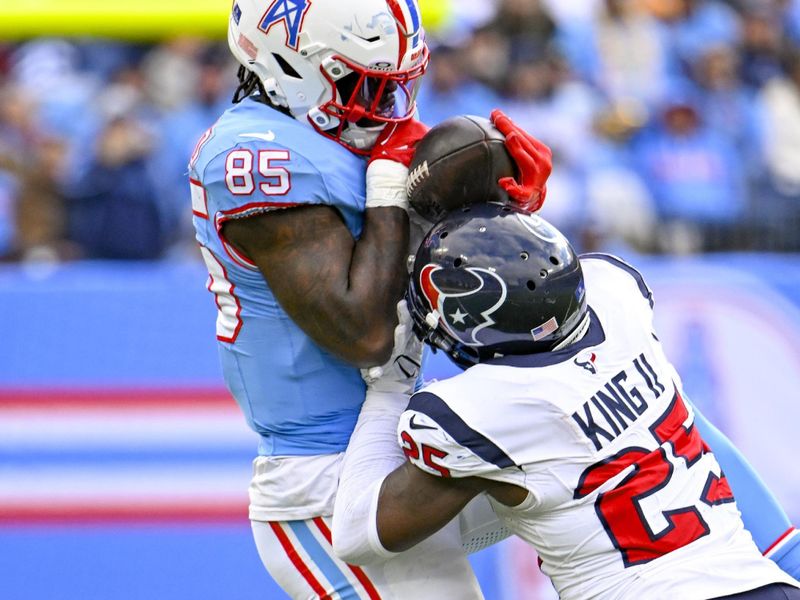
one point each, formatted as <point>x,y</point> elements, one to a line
<point>456,164</point>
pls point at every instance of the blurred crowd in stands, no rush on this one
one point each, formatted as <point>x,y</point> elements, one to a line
<point>675,124</point>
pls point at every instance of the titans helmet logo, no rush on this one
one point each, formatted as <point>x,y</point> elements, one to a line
<point>466,312</point>
<point>292,13</point>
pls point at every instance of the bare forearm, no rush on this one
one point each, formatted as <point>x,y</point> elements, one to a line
<point>378,274</point>
<point>413,506</point>
<point>340,291</point>
<point>349,307</point>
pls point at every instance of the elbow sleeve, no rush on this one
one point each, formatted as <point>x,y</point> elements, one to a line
<point>372,454</point>
<point>355,530</point>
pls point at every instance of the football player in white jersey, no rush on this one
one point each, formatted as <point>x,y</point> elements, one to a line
<point>568,415</point>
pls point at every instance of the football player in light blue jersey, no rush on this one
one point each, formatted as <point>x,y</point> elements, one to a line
<point>258,160</point>
<point>300,209</point>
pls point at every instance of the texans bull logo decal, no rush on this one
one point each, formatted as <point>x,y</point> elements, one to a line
<point>587,361</point>
<point>468,311</point>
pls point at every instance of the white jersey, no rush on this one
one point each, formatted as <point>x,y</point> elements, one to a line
<point>625,499</point>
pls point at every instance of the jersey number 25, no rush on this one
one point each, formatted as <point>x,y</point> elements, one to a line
<point>619,509</point>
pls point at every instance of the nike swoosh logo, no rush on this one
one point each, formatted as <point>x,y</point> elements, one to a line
<point>413,425</point>
<point>408,366</point>
<point>267,137</point>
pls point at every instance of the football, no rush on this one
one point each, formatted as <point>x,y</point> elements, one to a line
<point>456,164</point>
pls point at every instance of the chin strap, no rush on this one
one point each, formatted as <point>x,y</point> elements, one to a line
<point>361,138</point>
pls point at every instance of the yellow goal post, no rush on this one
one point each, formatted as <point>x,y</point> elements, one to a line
<point>135,20</point>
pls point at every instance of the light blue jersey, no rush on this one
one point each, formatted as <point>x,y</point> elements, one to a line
<point>298,397</point>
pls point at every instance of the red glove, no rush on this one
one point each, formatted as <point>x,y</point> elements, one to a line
<point>534,162</point>
<point>397,141</point>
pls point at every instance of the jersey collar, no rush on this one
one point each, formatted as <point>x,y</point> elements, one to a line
<point>594,337</point>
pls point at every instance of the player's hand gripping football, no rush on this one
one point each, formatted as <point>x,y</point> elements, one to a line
<point>400,373</point>
<point>388,164</point>
<point>397,141</point>
<point>534,161</point>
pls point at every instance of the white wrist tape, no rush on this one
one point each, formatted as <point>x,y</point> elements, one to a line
<point>386,184</point>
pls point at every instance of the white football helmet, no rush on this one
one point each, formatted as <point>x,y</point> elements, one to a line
<point>347,67</point>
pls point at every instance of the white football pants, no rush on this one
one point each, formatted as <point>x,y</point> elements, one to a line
<point>299,557</point>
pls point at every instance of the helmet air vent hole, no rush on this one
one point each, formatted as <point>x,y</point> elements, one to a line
<point>554,261</point>
<point>458,262</point>
<point>443,235</point>
<point>543,273</point>
<point>531,285</point>
<point>506,209</point>
<point>524,255</point>
<point>465,209</point>
<point>287,69</point>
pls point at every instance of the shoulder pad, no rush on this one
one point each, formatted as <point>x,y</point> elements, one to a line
<point>438,441</point>
<point>255,175</point>
<point>623,267</point>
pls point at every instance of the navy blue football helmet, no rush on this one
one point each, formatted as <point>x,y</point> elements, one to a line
<point>492,280</point>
